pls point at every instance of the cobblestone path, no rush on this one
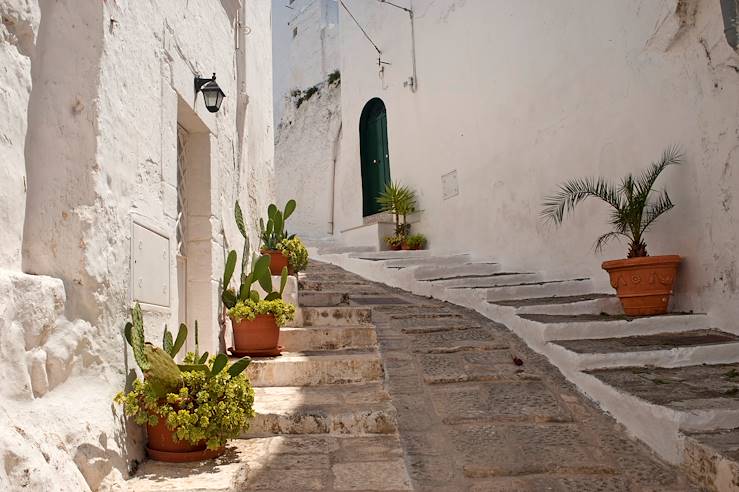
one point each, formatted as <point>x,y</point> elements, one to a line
<point>470,418</point>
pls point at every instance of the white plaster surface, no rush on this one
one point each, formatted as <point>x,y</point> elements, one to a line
<point>306,145</point>
<point>91,98</point>
<point>520,96</point>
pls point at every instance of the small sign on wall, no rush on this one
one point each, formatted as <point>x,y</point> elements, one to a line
<point>449,185</point>
<point>149,266</point>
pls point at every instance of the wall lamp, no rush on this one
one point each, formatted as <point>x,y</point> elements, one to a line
<point>212,93</point>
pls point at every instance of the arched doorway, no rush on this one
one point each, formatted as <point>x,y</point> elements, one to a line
<point>374,154</point>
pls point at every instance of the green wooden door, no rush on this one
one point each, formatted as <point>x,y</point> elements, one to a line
<point>374,154</point>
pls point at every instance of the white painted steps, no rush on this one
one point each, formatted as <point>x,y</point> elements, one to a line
<point>674,349</point>
<point>550,313</point>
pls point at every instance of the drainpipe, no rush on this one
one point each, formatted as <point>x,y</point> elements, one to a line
<point>337,141</point>
<point>729,11</point>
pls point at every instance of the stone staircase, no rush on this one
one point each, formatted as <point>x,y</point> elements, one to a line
<point>324,420</point>
<point>671,380</point>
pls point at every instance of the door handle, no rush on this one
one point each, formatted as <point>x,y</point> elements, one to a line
<point>374,161</point>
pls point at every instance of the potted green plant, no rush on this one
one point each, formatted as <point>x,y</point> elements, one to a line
<point>296,253</point>
<point>394,243</point>
<point>255,320</point>
<point>643,283</point>
<point>400,201</point>
<point>190,410</point>
<point>415,241</point>
<point>273,233</point>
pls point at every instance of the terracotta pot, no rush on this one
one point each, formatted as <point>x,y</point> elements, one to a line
<point>644,285</point>
<point>163,447</point>
<point>405,246</point>
<point>277,260</point>
<point>258,334</point>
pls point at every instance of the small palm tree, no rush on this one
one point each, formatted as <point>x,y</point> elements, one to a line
<point>633,211</point>
<point>399,200</point>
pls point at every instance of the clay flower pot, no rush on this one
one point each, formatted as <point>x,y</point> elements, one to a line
<point>644,285</point>
<point>405,246</point>
<point>257,336</point>
<point>163,447</point>
<point>277,261</point>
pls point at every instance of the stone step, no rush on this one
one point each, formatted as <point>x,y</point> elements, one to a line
<point>426,260</point>
<point>712,459</point>
<point>227,473</point>
<point>327,337</point>
<point>430,273</point>
<point>323,298</point>
<point>336,316</point>
<point>488,280</point>
<point>327,276</point>
<point>330,409</point>
<point>544,288</point>
<point>694,398</point>
<point>347,287</point>
<point>662,349</point>
<point>567,305</point>
<point>586,326</point>
<point>290,462</point>
<point>315,368</point>
<point>390,255</point>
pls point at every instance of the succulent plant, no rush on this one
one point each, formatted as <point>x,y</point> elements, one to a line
<point>158,364</point>
<point>273,232</point>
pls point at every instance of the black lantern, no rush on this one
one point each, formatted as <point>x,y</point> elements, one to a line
<point>212,94</point>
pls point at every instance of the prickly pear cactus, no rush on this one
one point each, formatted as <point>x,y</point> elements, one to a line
<point>136,339</point>
<point>163,368</point>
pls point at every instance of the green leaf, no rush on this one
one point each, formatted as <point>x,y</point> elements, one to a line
<point>279,226</point>
<point>254,295</point>
<point>289,208</point>
<point>272,296</point>
<point>244,292</point>
<point>229,298</point>
<point>219,364</point>
<point>180,340</point>
<point>203,358</point>
<point>271,210</point>
<point>127,333</point>
<point>239,366</point>
<point>167,342</point>
<point>229,270</point>
<point>194,367</point>
<point>261,267</point>
<point>266,282</point>
<point>283,280</point>
<point>240,220</point>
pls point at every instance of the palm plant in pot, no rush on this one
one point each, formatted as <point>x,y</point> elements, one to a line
<point>273,233</point>
<point>643,283</point>
<point>192,409</point>
<point>400,201</point>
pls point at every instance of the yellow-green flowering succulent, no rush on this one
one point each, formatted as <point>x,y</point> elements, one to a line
<point>297,254</point>
<point>248,309</point>
<point>207,407</point>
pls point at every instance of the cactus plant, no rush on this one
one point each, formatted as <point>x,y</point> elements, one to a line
<point>273,232</point>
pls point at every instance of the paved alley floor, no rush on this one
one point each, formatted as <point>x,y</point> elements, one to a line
<point>478,410</point>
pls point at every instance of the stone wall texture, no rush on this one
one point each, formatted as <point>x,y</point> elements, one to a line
<point>518,97</point>
<point>92,97</point>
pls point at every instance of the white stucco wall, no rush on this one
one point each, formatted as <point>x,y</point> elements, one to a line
<point>519,96</point>
<point>306,148</point>
<point>304,59</point>
<point>94,96</point>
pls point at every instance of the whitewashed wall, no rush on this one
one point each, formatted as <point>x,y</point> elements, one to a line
<point>93,98</point>
<point>304,59</point>
<point>519,96</point>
